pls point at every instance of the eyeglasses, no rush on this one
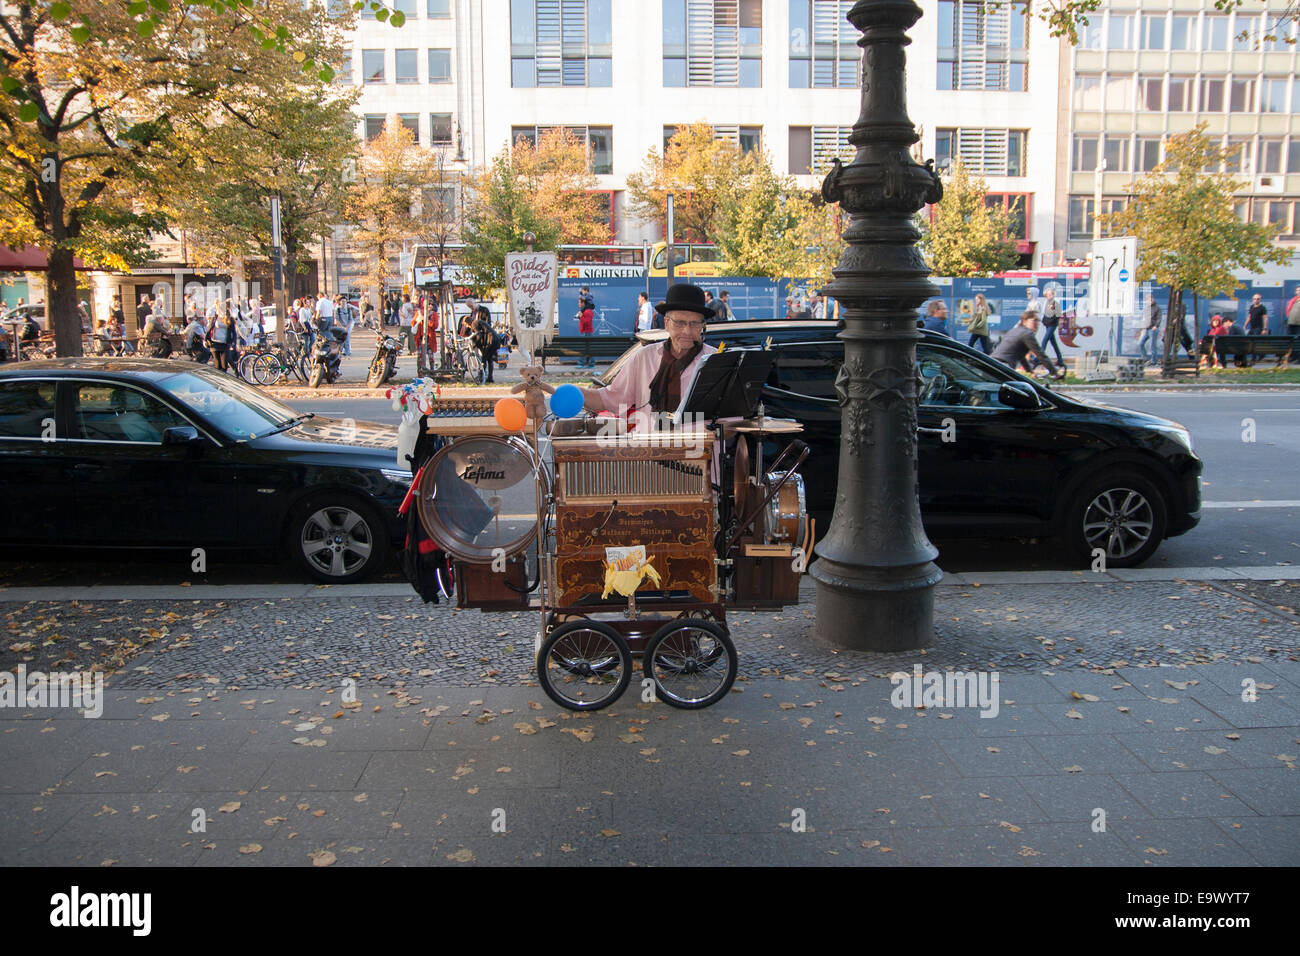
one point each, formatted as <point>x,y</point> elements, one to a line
<point>679,324</point>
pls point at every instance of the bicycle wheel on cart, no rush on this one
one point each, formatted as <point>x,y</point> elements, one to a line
<point>584,665</point>
<point>692,662</point>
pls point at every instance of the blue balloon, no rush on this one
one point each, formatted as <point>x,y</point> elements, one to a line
<point>566,401</point>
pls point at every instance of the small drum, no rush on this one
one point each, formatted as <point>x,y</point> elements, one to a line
<point>479,494</point>
<point>787,515</point>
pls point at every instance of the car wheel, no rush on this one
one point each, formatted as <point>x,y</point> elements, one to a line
<point>337,540</point>
<point>1123,514</point>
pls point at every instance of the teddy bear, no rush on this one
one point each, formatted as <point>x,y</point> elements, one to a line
<point>533,388</point>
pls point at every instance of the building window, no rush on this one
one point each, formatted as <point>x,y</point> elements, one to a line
<point>1119,93</point>
<point>744,138</point>
<point>1293,155</point>
<point>1081,212</point>
<point>1272,95</point>
<point>1245,34</point>
<point>984,152</point>
<point>1087,91</point>
<point>982,46</point>
<point>437,9</point>
<point>1238,160</point>
<point>1090,34</point>
<point>1214,32</point>
<point>713,43</point>
<point>372,66</point>
<point>1085,154</point>
<point>1242,97</point>
<point>813,147</point>
<point>405,68</point>
<point>599,141</point>
<point>440,66</point>
<point>374,126</point>
<point>823,44</point>
<point>1270,156</point>
<point>560,43</point>
<point>411,121</point>
<point>1153,32</point>
<point>1017,209</point>
<point>1117,154</point>
<point>1180,94</point>
<point>1119,36</point>
<point>1211,96</point>
<point>1147,155</point>
<point>1181,31</point>
<point>404,7</point>
<point>1151,93</point>
<point>440,130</point>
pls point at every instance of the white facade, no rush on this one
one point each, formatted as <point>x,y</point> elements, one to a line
<point>1145,69</point>
<point>488,102</point>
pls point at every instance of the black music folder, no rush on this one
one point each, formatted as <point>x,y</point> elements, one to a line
<point>729,384</point>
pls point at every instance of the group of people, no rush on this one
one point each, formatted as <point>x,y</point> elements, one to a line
<point>1018,344</point>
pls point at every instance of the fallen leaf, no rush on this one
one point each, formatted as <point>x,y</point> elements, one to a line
<point>461,856</point>
<point>230,807</point>
<point>607,832</point>
<point>585,734</point>
<point>1073,714</point>
<point>1087,697</point>
<point>740,753</point>
<point>322,858</point>
<point>525,728</point>
<point>1075,769</point>
<point>1214,750</point>
<point>1010,826</point>
<point>1156,852</point>
<point>251,848</point>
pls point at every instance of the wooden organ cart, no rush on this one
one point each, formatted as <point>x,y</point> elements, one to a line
<point>624,542</point>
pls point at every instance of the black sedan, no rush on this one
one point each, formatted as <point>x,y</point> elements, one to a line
<point>998,455</point>
<point>114,453</point>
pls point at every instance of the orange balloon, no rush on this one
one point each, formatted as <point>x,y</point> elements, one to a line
<point>510,415</point>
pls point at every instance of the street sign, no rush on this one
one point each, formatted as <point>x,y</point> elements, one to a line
<point>1111,290</point>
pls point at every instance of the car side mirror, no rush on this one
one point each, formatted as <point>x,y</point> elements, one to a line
<point>180,435</point>
<point>1020,395</point>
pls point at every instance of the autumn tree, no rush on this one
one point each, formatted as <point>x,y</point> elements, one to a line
<point>1189,236</point>
<point>544,189</point>
<point>437,220</point>
<point>97,134</point>
<point>304,149</point>
<point>382,204</point>
<point>966,236</point>
<point>768,226</point>
<point>700,170</point>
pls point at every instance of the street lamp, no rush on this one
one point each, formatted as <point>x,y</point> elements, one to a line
<point>875,568</point>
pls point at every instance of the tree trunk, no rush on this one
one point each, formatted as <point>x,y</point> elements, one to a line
<point>61,303</point>
<point>1173,323</point>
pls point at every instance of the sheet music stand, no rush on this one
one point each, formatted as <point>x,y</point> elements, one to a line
<point>728,384</point>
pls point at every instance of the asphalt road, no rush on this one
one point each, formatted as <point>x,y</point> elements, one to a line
<point>1250,442</point>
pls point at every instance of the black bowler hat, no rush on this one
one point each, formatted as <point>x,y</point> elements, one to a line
<point>684,297</point>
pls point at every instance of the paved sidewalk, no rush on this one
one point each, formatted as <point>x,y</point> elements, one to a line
<point>1117,701</point>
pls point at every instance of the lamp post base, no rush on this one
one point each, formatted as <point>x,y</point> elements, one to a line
<point>865,609</point>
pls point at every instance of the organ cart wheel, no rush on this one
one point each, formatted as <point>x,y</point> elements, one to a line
<point>584,665</point>
<point>692,662</point>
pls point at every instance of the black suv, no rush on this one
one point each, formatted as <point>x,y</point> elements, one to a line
<point>999,455</point>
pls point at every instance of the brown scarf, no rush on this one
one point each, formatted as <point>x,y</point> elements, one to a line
<point>666,387</point>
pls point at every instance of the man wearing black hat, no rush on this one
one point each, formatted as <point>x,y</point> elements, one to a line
<point>658,378</point>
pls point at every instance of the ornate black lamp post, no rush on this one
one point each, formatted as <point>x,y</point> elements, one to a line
<point>875,568</point>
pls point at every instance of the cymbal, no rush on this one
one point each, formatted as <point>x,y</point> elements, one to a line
<point>768,426</point>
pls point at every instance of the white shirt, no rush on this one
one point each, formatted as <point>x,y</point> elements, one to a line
<point>324,308</point>
<point>645,317</point>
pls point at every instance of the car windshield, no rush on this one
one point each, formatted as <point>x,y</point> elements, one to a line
<point>239,410</point>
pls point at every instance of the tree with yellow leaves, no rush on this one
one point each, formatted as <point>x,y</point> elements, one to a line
<point>702,172</point>
<point>544,189</point>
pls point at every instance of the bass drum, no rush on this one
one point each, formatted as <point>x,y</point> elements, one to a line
<point>479,494</point>
<point>787,512</point>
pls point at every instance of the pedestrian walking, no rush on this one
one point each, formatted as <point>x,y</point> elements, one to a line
<point>1257,316</point>
<point>406,319</point>
<point>1292,313</point>
<point>978,325</point>
<point>484,340</point>
<point>586,327</point>
<point>1051,319</point>
<point>1151,334</point>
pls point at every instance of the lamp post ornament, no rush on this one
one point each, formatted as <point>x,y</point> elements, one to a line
<point>875,570</point>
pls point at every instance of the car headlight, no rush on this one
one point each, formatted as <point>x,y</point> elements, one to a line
<point>1177,432</point>
<point>396,475</point>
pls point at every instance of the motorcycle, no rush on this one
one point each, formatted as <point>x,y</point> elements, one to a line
<point>325,358</point>
<point>384,365</point>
